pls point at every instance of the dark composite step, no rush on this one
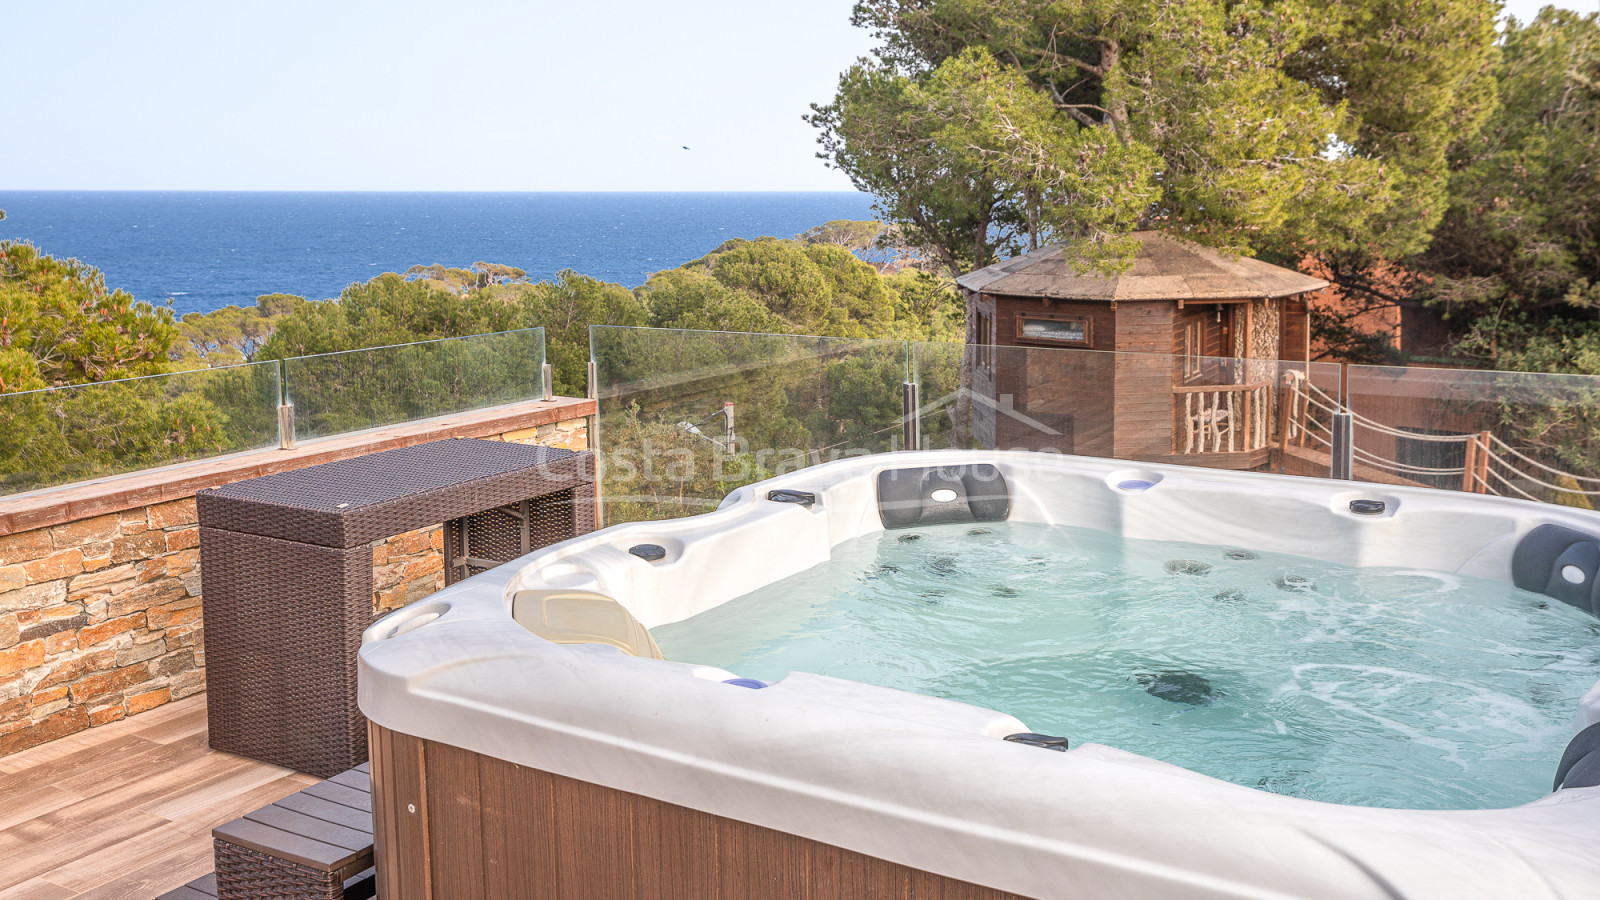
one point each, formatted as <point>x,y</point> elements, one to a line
<point>316,843</point>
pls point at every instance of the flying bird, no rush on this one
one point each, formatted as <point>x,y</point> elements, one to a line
<point>685,148</point>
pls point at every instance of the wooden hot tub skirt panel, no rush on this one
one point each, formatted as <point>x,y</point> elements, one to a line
<point>450,823</point>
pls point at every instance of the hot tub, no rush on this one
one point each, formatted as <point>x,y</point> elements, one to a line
<point>527,741</point>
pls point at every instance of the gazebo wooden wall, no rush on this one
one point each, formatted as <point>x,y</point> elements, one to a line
<point>1120,403</point>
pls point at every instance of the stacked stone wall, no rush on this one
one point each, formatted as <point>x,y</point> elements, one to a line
<point>102,618</point>
<point>99,619</point>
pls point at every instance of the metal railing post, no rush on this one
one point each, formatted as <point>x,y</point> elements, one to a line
<point>1343,449</point>
<point>592,390</point>
<point>548,374</point>
<point>910,422</point>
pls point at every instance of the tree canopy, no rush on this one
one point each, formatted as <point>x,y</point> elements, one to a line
<point>803,286</point>
<point>232,334</point>
<point>986,126</point>
<point>1509,277</point>
<point>1516,261</point>
<point>59,327</point>
<point>814,284</point>
<point>388,309</point>
<point>478,275</point>
<point>59,324</point>
<point>565,308</point>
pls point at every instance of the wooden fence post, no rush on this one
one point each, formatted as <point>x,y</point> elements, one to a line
<point>1482,471</point>
<point>1285,402</point>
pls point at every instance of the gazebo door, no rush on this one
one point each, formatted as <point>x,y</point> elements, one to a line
<point>1212,412</point>
<point>1201,337</point>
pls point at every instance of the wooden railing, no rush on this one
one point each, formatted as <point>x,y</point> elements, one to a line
<point>1225,418</point>
<point>1304,413</point>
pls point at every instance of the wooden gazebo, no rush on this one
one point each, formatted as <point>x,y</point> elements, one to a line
<point>1185,323</point>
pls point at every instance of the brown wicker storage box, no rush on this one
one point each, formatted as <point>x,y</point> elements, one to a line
<point>286,573</point>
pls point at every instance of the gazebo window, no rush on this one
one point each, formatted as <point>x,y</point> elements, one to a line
<point>1065,331</point>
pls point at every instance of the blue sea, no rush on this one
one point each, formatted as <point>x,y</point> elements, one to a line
<point>203,250</point>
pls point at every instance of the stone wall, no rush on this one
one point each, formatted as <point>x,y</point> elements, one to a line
<point>101,617</point>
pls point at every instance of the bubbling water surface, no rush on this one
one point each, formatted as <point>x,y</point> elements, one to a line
<point>1390,687</point>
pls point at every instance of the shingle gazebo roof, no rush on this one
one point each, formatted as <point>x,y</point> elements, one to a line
<point>1164,269</point>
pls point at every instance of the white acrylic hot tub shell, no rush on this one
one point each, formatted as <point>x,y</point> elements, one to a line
<point>926,782</point>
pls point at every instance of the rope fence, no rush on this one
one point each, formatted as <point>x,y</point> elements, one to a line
<point>1490,464</point>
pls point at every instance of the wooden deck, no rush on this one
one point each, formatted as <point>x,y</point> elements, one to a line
<point>124,810</point>
<point>1308,461</point>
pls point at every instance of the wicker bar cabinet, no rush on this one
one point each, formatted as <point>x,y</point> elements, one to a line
<point>286,573</point>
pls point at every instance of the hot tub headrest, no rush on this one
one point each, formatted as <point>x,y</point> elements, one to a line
<point>1559,562</point>
<point>942,495</point>
<point>1580,764</point>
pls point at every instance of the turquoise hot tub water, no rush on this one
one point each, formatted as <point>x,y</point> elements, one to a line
<point>1389,687</point>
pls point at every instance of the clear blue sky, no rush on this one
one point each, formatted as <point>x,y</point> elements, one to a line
<point>407,95</point>
<point>440,95</point>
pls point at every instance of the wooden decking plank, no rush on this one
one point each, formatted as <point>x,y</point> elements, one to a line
<point>316,829</point>
<point>67,748</point>
<point>217,798</point>
<point>164,848</point>
<point>35,889</point>
<point>182,864</point>
<point>171,722</point>
<point>174,783</point>
<point>225,807</point>
<point>40,845</point>
<point>42,799</point>
<point>312,854</point>
<point>144,830</point>
<point>328,811</point>
<point>124,769</point>
<point>64,768</point>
